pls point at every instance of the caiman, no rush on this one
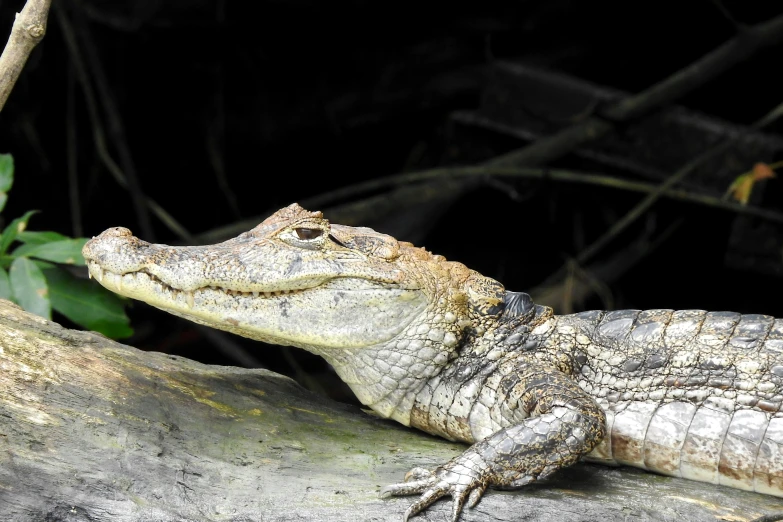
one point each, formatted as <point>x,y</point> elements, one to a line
<point>437,346</point>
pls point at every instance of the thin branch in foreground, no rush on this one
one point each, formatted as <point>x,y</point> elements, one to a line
<point>28,30</point>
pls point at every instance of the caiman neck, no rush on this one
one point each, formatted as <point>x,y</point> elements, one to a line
<point>387,377</point>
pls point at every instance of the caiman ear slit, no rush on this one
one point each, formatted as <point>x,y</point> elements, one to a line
<point>307,234</point>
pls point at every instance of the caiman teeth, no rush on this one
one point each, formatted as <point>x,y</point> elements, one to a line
<point>173,293</point>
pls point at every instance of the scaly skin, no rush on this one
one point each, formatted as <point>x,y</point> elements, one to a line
<point>437,346</point>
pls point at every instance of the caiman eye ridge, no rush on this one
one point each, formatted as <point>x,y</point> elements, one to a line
<point>101,274</point>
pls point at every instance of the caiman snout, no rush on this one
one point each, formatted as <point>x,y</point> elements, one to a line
<point>106,241</point>
<point>116,232</point>
<point>96,244</point>
<point>105,248</point>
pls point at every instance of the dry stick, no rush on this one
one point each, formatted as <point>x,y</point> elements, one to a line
<point>746,43</point>
<point>739,48</point>
<point>727,15</point>
<point>562,175</point>
<point>72,159</point>
<point>29,28</point>
<point>558,295</point>
<point>116,130</point>
<point>568,176</point>
<point>216,136</point>
<point>552,147</point>
<point>653,196</point>
<point>659,191</point>
<point>99,134</point>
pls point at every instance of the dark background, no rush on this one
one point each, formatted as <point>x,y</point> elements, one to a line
<point>285,100</point>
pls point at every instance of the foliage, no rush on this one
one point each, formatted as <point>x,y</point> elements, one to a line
<point>742,186</point>
<point>35,275</point>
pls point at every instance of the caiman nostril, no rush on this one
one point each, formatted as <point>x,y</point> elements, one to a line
<point>117,232</point>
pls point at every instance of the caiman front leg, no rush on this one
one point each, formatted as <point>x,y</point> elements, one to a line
<point>562,424</point>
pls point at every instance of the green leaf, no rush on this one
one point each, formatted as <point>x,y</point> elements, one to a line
<point>33,240</point>
<point>5,261</point>
<point>39,238</point>
<point>13,229</point>
<point>29,287</point>
<point>20,251</point>
<point>5,285</point>
<point>68,251</point>
<point>6,177</point>
<point>86,303</point>
<point>6,172</point>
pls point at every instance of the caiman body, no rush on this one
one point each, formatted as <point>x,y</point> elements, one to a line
<point>437,346</point>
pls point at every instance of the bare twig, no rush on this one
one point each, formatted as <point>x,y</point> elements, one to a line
<point>567,176</point>
<point>771,116</point>
<point>562,175</point>
<point>739,26</point>
<point>663,190</point>
<point>99,134</point>
<point>597,275</point>
<point>654,195</point>
<point>665,92</point>
<point>72,156</point>
<point>590,129</point>
<point>216,133</point>
<point>29,28</point>
<point>114,122</point>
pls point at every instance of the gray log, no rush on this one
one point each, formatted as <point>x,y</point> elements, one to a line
<point>93,430</point>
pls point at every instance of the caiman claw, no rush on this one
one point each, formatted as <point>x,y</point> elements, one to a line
<point>465,478</point>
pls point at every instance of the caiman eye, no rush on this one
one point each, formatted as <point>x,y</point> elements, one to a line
<point>307,234</point>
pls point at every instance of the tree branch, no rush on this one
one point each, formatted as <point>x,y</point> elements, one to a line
<point>328,199</point>
<point>665,92</point>
<point>28,30</point>
<point>95,430</point>
<point>99,134</point>
<point>547,149</point>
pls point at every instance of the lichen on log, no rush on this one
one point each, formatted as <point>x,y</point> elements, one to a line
<point>94,430</point>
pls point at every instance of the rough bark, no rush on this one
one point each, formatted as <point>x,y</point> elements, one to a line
<point>94,430</point>
<point>29,29</point>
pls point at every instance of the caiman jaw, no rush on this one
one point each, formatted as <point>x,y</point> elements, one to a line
<point>269,290</point>
<point>122,283</point>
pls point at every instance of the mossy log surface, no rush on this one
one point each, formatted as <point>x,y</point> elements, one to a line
<point>94,430</point>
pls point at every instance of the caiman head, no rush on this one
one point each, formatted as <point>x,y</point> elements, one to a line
<point>385,314</point>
